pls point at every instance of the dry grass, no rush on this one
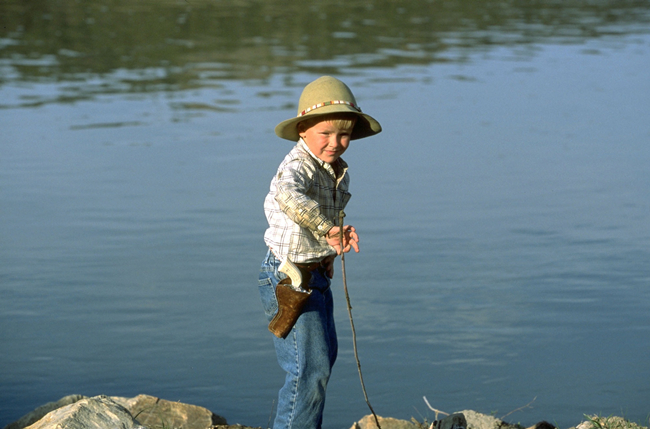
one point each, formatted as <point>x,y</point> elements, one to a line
<point>598,422</point>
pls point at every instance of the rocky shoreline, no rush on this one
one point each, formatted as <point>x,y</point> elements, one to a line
<point>149,412</point>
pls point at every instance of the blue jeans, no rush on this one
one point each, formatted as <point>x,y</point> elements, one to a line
<point>307,354</point>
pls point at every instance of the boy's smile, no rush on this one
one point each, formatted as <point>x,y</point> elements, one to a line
<point>326,140</point>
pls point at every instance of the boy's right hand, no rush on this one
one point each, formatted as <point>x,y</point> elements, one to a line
<point>350,239</point>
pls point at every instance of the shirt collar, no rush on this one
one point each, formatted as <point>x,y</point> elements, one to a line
<point>342,166</point>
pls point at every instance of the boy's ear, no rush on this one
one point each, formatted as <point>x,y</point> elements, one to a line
<point>301,129</point>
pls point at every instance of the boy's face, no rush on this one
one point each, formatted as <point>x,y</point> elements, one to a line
<point>326,140</point>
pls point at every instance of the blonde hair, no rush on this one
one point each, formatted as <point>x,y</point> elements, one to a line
<point>343,121</point>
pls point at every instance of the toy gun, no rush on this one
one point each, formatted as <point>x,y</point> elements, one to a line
<point>291,296</point>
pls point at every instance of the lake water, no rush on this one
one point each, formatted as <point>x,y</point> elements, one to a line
<point>504,212</point>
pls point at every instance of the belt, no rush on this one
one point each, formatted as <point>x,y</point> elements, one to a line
<point>308,267</point>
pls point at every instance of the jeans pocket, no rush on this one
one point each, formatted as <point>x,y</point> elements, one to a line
<point>267,295</point>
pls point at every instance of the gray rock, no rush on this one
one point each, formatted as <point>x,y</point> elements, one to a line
<point>453,421</point>
<point>103,412</point>
<point>482,421</point>
<point>542,425</point>
<point>233,427</point>
<point>148,412</point>
<point>612,422</point>
<point>99,412</point>
<point>156,413</point>
<point>40,412</point>
<point>368,422</point>
<point>468,418</point>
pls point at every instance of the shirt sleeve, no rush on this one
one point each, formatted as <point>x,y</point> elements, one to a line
<point>293,183</point>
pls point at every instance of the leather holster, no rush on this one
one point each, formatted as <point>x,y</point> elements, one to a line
<point>290,305</point>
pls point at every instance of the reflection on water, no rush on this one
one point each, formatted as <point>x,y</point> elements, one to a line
<point>147,46</point>
<point>504,209</point>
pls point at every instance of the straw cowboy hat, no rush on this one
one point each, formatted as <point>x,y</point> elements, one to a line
<point>323,96</point>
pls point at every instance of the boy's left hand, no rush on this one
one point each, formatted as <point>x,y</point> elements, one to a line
<point>350,239</point>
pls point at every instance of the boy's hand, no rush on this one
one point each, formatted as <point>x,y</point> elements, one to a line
<point>350,239</point>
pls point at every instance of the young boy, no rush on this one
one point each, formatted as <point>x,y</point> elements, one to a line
<point>307,194</point>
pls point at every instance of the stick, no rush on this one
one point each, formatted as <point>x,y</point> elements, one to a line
<point>354,334</point>
<point>520,408</point>
<point>433,409</point>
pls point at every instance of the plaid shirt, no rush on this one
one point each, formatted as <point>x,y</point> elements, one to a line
<point>304,202</point>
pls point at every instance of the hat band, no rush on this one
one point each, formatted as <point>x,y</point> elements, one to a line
<point>328,103</point>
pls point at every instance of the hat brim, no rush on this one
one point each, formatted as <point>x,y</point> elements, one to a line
<point>366,125</point>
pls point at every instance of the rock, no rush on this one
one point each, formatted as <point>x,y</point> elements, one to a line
<point>482,421</point>
<point>542,425</point>
<point>597,422</point>
<point>368,422</point>
<point>453,421</point>
<point>149,412</point>
<point>468,418</point>
<point>233,427</point>
<point>103,412</point>
<point>99,412</point>
<point>156,413</point>
<point>40,412</point>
